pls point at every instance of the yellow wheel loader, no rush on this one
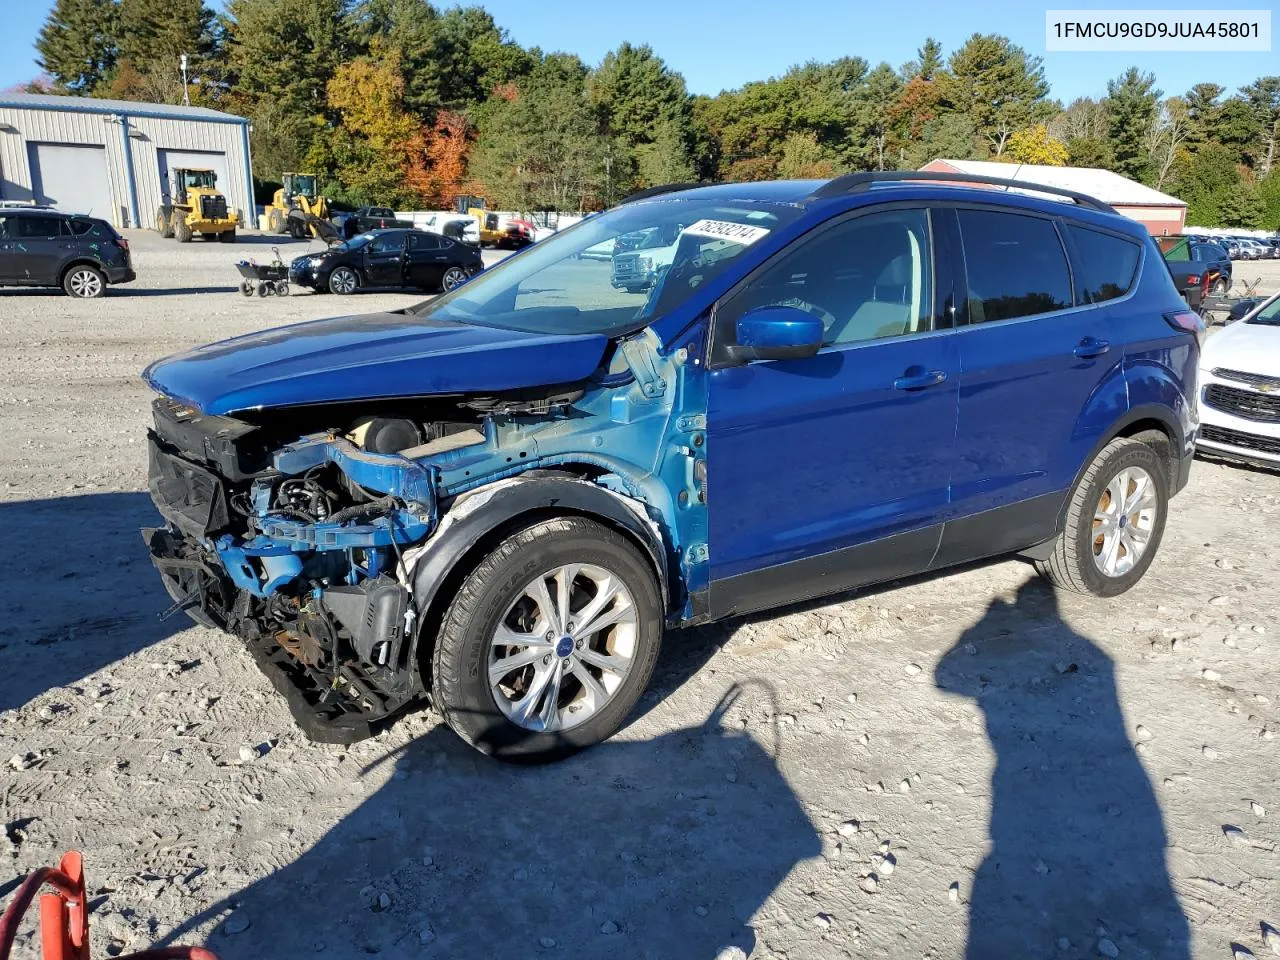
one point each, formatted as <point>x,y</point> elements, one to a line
<point>196,206</point>
<point>296,207</point>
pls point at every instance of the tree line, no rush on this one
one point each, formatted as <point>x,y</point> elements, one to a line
<point>401,103</point>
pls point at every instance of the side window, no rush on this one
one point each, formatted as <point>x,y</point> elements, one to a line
<point>1015,264</point>
<point>86,228</point>
<point>387,243</point>
<point>423,241</point>
<point>868,278</point>
<point>5,231</point>
<point>35,228</point>
<point>1107,264</point>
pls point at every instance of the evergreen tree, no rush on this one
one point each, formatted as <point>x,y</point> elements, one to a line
<point>76,46</point>
<point>1263,97</point>
<point>998,86</point>
<point>1203,111</point>
<point>1132,101</point>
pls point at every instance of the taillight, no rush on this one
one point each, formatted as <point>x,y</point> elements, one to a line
<point>1188,322</point>
<point>1193,279</point>
<point>122,243</point>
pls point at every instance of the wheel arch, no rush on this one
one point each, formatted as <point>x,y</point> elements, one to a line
<point>81,261</point>
<point>491,514</point>
<point>1151,424</point>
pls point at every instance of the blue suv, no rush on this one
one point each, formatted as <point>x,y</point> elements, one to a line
<point>498,500</point>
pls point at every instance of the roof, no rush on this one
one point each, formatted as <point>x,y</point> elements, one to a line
<point>165,111</point>
<point>1103,184</point>
<point>761,191</point>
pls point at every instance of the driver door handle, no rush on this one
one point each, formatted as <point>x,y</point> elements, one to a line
<point>1091,347</point>
<point>912,380</point>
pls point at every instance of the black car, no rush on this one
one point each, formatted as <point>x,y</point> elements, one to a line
<point>44,248</point>
<point>388,258</point>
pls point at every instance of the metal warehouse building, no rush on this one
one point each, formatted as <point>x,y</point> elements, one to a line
<point>111,158</point>
<point>1160,213</point>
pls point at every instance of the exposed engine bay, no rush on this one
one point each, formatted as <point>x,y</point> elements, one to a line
<point>299,529</point>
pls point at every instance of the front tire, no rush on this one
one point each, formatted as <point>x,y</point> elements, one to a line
<point>343,280</point>
<point>84,283</point>
<point>180,228</point>
<point>1115,522</point>
<point>514,694</point>
<point>163,224</point>
<point>227,236</point>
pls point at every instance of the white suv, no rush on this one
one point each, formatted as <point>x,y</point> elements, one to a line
<point>1240,388</point>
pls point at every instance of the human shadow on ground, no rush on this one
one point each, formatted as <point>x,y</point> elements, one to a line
<point>1077,838</point>
<point>655,848</point>
<point>82,592</point>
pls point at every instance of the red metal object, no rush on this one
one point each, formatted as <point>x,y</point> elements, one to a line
<point>64,917</point>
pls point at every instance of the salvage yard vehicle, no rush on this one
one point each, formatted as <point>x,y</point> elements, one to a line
<point>196,206</point>
<point>500,498</point>
<point>296,205</point>
<point>40,247</point>
<point>388,258</point>
<point>1240,389</point>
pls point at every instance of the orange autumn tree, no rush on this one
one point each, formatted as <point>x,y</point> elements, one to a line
<point>438,160</point>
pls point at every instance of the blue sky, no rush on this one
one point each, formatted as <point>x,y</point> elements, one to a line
<point>718,44</point>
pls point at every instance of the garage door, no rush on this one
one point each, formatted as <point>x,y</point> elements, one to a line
<point>71,177</point>
<point>171,160</point>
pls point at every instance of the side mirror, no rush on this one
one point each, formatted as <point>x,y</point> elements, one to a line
<point>776,333</point>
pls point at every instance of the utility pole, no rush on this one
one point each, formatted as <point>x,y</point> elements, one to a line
<point>186,97</point>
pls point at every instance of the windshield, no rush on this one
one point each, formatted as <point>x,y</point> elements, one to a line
<point>355,243</point>
<point>304,185</point>
<point>199,178</point>
<point>615,272</point>
<point>1269,315</point>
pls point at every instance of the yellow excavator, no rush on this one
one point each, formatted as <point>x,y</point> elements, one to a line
<point>296,207</point>
<point>195,205</point>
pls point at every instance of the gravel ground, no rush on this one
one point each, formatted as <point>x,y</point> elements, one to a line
<point>959,765</point>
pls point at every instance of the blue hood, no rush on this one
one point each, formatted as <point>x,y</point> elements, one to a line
<point>369,357</point>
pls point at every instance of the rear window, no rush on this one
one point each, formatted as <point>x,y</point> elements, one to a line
<point>1107,267</point>
<point>1015,264</point>
<point>92,228</point>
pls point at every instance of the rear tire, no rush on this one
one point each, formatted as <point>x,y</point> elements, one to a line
<point>163,225</point>
<point>275,221</point>
<point>84,283</point>
<point>227,236</point>
<point>1126,480</point>
<point>464,687</point>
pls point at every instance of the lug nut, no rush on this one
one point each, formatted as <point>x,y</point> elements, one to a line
<point>546,660</point>
<point>579,644</point>
<point>550,635</point>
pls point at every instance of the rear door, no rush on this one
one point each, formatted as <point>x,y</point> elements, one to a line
<point>384,259</point>
<point>426,257</point>
<point>1035,350</point>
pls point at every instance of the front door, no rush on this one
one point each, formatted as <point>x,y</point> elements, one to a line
<point>38,244</point>
<point>833,470</point>
<point>384,260</point>
<point>425,260</point>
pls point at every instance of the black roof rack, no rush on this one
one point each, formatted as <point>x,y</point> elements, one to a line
<point>858,182</point>
<point>659,191</point>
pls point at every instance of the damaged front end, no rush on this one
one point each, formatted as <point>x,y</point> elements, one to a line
<point>293,549</point>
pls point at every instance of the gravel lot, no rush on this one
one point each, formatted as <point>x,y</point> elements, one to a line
<point>960,765</point>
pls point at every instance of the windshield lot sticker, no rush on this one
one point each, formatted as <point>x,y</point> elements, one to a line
<point>727,230</point>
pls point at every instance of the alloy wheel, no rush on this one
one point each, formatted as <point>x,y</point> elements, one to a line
<point>1124,520</point>
<point>452,277</point>
<point>343,281</point>
<point>85,283</point>
<point>563,648</point>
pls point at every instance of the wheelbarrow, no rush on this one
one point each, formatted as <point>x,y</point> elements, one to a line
<point>264,279</point>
